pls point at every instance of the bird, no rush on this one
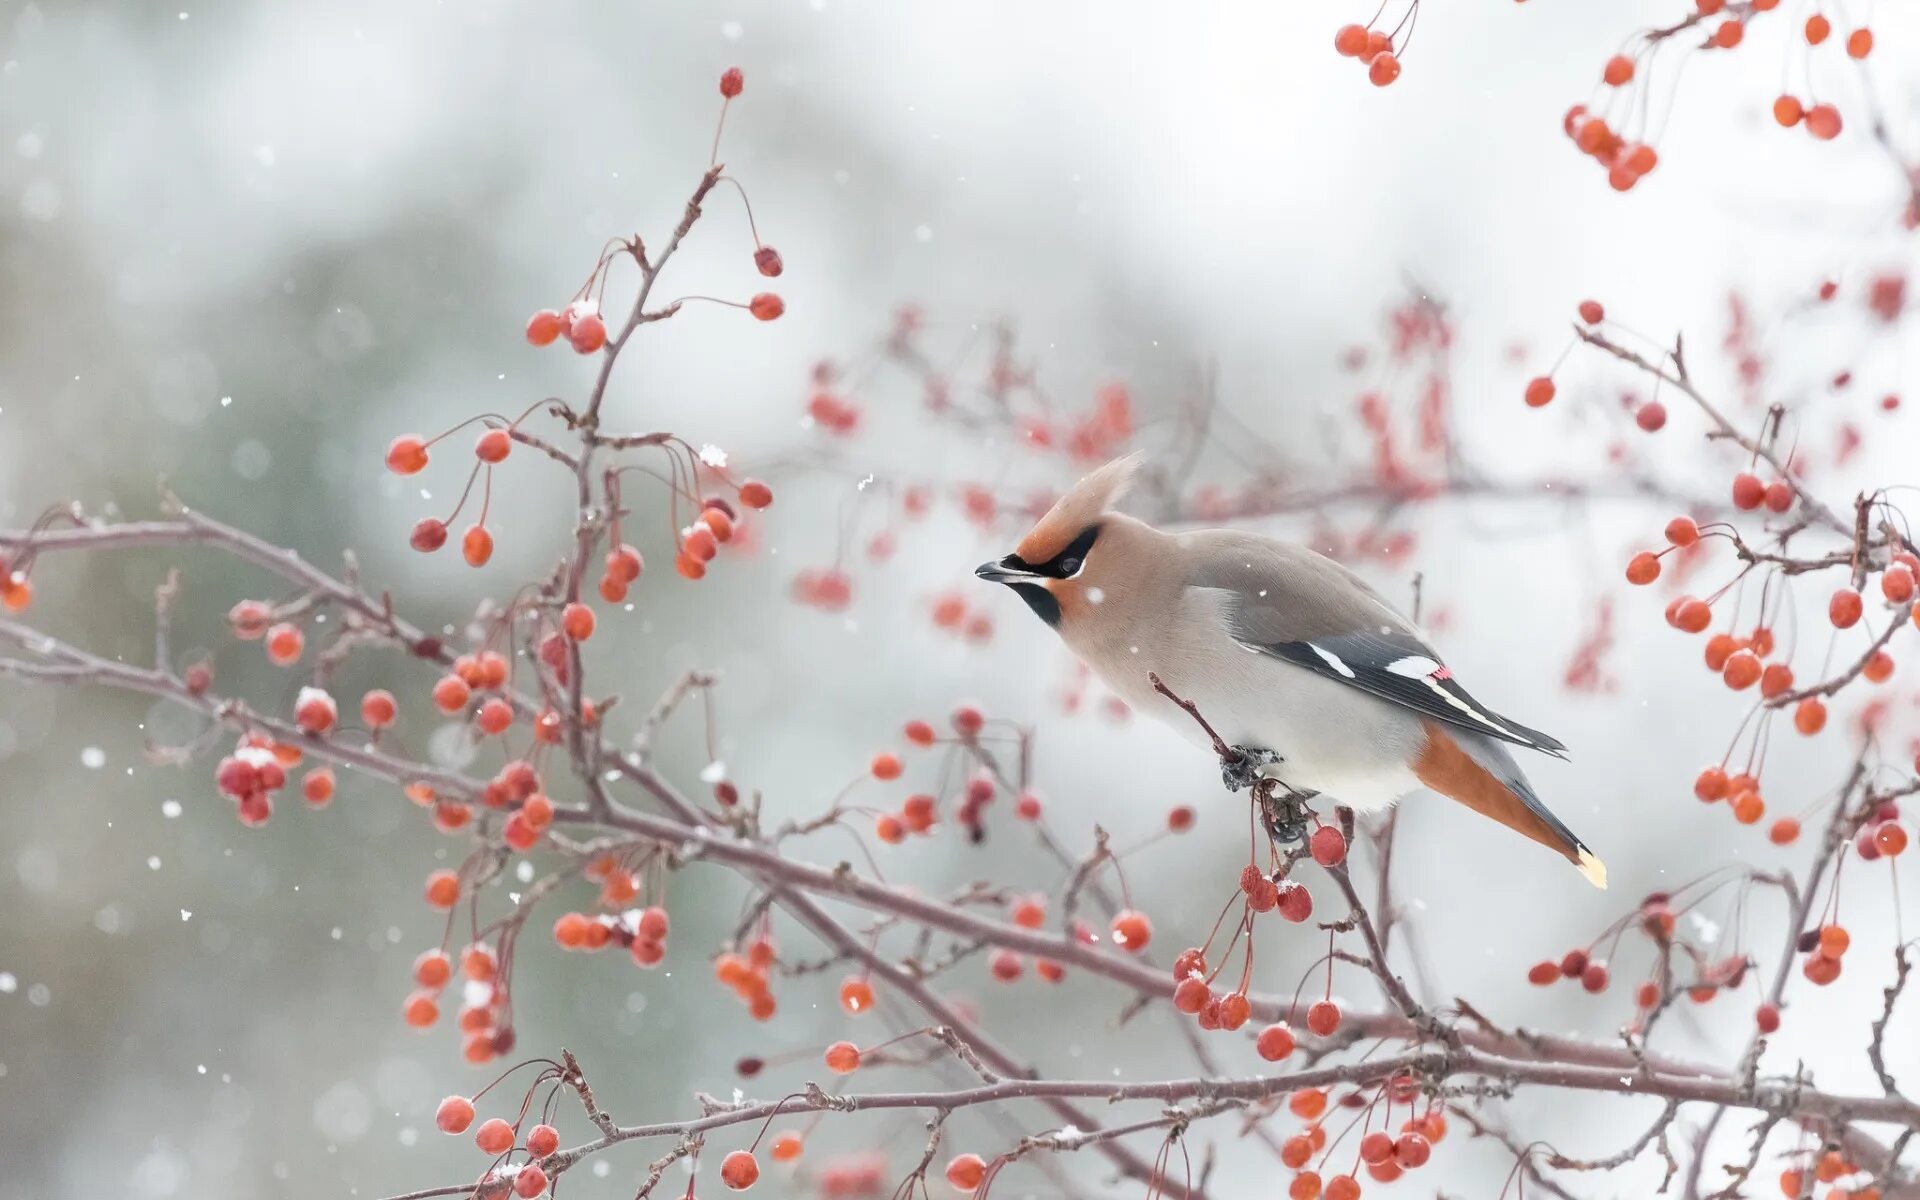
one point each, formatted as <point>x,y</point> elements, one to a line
<point>1312,677</point>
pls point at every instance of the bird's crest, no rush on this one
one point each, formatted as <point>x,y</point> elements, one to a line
<point>1095,494</point>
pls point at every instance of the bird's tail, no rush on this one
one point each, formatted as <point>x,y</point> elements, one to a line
<point>1479,773</point>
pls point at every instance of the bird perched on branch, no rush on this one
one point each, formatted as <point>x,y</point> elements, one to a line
<point>1311,676</point>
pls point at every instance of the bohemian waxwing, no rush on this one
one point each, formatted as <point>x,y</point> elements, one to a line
<point>1286,653</point>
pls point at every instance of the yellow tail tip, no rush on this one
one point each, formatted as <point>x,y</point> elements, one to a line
<point>1593,869</point>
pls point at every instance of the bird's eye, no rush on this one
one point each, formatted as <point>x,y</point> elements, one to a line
<point>1069,567</point>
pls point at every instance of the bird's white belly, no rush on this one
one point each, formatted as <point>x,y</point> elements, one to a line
<point>1334,739</point>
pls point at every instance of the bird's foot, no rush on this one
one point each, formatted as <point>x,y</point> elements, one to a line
<point>1286,811</point>
<point>1243,769</point>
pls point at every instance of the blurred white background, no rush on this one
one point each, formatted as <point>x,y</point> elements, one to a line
<point>246,244</point>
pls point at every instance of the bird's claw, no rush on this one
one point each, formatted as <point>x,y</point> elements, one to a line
<point>1286,811</point>
<point>1243,770</point>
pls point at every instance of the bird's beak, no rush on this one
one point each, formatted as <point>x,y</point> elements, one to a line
<point>1003,572</point>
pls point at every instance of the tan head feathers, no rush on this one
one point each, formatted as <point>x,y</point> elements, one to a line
<point>1095,494</point>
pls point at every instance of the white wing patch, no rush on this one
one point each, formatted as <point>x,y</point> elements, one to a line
<point>1331,659</point>
<point>1470,710</point>
<point>1413,666</point>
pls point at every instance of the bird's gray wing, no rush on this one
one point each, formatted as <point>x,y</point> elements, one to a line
<point>1287,602</point>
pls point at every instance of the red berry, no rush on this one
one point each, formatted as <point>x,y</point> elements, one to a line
<point>443,889</point>
<point>1274,1043</point>
<point>1619,70</point>
<point>1681,531</point>
<point>731,82</point>
<point>1383,70</point>
<point>1779,496</point>
<point>1540,392</point>
<point>494,446</point>
<point>1823,122</point>
<point>739,1170</point>
<point>1132,930</point>
<point>494,1136</point>
<point>476,545</point>
<point>766,306</point>
<point>1411,1150</point>
<point>588,333</point>
<point>543,327</point>
<point>454,1114</point>
<point>1767,1017</point>
<point>755,494</point>
<point>1329,846</point>
<point>1845,608</point>
<point>1323,1018</point>
<point>529,1181</point>
<point>1350,41</point>
<point>1643,568</point>
<point>429,534</point>
<point>1296,902</point>
<point>767,260</point>
<point>1651,416</point>
<point>1748,491</point>
<point>966,1172</point>
<point>1543,973</point>
<point>1594,978</point>
<point>407,455</point>
<point>843,1058</point>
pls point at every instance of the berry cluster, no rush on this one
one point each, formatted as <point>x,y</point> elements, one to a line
<point>1623,92</point>
<point>1384,1154</point>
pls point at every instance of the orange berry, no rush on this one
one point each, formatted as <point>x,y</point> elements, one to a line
<point>577,620</point>
<point>856,994</point>
<point>494,446</point>
<point>1643,568</point>
<point>285,643</point>
<point>432,969</point>
<point>1784,832</point>
<point>495,716</point>
<point>1891,838</point>
<point>786,1147</point>
<point>1818,27</point>
<point>1728,35</point>
<point>543,327</point>
<point>451,694</point>
<point>843,1058</point>
<point>1132,930</point>
<point>1860,43</point>
<point>738,1170</point>
<point>1350,41</point>
<point>1710,784</point>
<point>1845,608</point>
<point>889,829</point>
<point>494,1136</point>
<point>1787,110</point>
<point>1834,940</point>
<point>1274,1043</point>
<point>1383,70</point>
<point>1742,670</point>
<point>377,709</point>
<point>1540,392</point>
<point>476,545</point>
<point>1748,807</point>
<point>1305,1186</point>
<point>755,494</point>
<point>443,889</point>
<point>1810,716</point>
<point>420,1010</point>
<point>1619,70</point>
<point>317,786</point>
<point>966,1172</point>
<point>766,306</point>
<point>454,1114</point>
<point>407,455</point>
<point>885,766</point>
<point>1307,1103</point>
<point>588,333</point>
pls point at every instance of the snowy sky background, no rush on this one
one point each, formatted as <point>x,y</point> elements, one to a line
<point>246,244</point>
